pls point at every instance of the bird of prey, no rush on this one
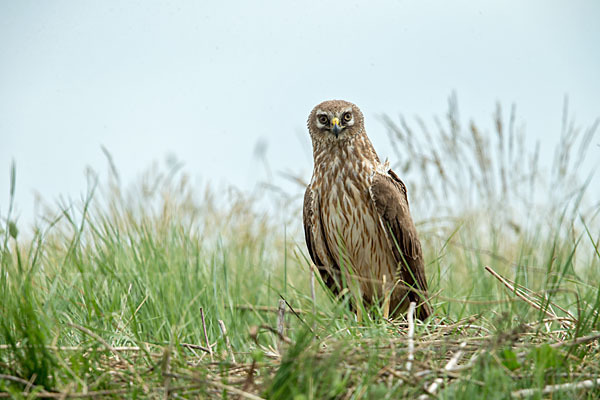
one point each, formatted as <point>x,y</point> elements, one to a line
<point>357,223</point>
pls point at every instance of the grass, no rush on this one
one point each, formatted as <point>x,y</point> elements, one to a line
<point>111,296</point>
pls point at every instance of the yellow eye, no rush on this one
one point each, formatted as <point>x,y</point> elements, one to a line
<point>348,116</point>
<point>323,119</point>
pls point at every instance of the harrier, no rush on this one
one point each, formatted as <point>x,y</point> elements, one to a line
<point>357,223</point>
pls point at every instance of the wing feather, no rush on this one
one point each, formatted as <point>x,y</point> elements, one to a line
<point>388,194</point>
<point>317,245</point>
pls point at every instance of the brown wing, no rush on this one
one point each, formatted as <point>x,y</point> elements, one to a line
<point>317,245</point>
<point>388,193</point>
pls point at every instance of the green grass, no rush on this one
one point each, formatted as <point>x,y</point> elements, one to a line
<point>105,295</point>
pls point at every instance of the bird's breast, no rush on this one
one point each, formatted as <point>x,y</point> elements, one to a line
<point>350,220</point>
<point>352,228</point>
<point>344,189</point>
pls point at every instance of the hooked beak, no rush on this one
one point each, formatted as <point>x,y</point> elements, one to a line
<point>335,126</point>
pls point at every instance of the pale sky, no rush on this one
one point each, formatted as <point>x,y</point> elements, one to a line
<point>206,81</point>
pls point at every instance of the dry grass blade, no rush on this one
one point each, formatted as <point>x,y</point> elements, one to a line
<point>540,297</point>
<point>227,342</point>
<point>527,299</point>
<point>15,379</point>
<point>411,335</point>
<point>280,324</point>
<point>196,347</point>
<point>206,334</point>
<point>587,384</point>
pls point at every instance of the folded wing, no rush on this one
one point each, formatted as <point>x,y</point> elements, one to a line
<point>388,194</point>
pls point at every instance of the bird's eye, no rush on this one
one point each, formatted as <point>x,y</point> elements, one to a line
<point>323,119</point>
<point>348,116</point>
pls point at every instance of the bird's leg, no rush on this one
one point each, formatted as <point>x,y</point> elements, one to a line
<point>359,305</point>
<point>359,314</point>
<point>386,298</point>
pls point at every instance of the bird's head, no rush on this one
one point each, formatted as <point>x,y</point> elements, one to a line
<point>335,120</point>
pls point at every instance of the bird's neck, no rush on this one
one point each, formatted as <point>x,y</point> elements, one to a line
<point>344,153</point>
